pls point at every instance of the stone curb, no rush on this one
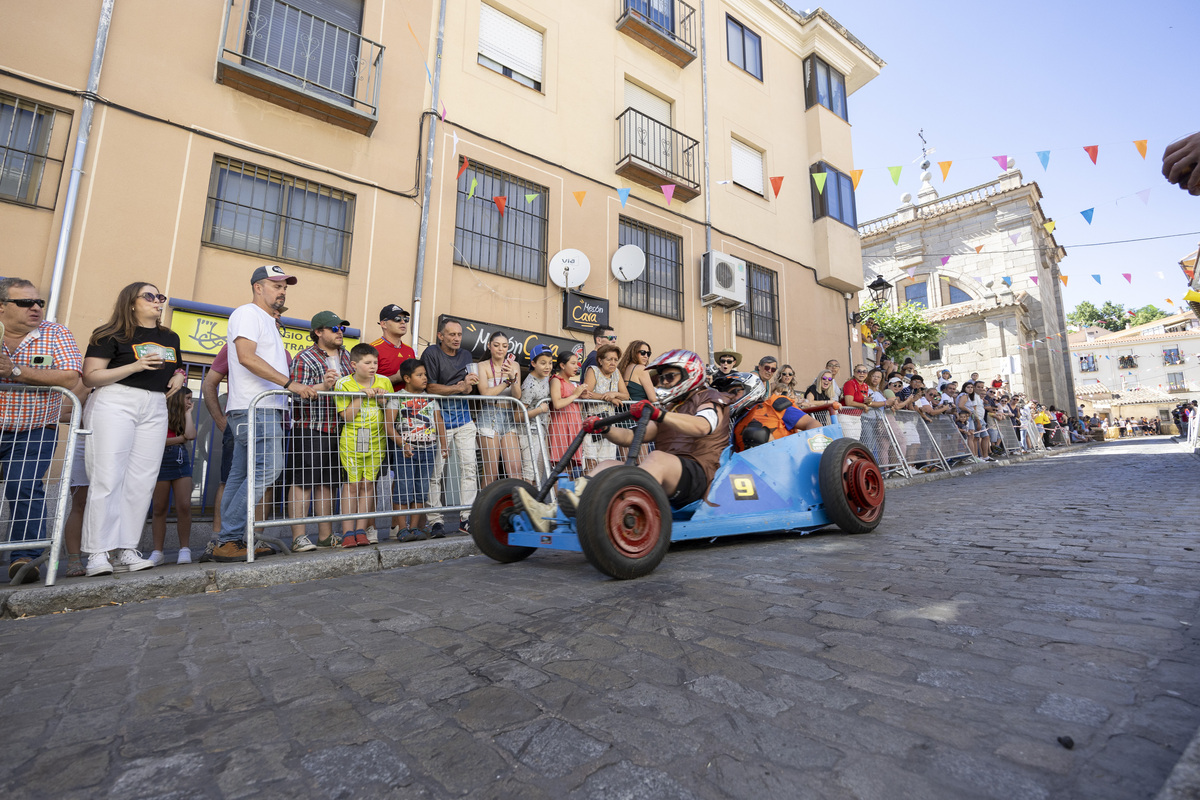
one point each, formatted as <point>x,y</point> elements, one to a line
<point>1184,781</point>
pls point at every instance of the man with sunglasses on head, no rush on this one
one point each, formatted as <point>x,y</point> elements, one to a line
<point>601,335</point>
<point>393,323</point>
<point>34,353</point>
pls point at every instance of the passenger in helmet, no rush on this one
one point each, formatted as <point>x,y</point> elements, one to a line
<point>689,428</point>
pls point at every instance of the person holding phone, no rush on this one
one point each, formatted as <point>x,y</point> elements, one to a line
<point>29,420</point>
<point>499,376</point>
<point>133,363</point>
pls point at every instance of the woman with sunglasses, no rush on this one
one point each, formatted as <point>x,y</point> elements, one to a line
<point>133,363</point>
<point>785,383</point>
<point>632,367</point>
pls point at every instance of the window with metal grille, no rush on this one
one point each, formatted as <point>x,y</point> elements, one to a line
<point>1087,363</point>
<point>261,210</point>
<point>935,352</point>
<point>510,47</point>
<point>1171,356</point>
<point>25,129</point>
<point>659,290</point>
<point>824,85</point>
<point>745,47</point>
<point>759,318</point>
<point>1175,382</point>
<point>834,199</point>
<point>315,44</point>
<point>512,243</point>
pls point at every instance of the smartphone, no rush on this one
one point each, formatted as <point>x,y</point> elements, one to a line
<point>41,360</point>
<point>510,358</point>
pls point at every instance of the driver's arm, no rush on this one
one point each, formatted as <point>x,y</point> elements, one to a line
<point>688,424</point>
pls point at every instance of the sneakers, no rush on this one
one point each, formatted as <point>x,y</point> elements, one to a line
<point>236,551</point>
<point>207,555</point>
<point>464,527</point>
<point>372,536</point>
<point>97,565</point>
<point>437,531</point>
<point>568,499</point>
<point>360,538</point>
<point>31,575</point>
<point>156,557</point>
<point>130,561</point>
<point>349,539</point>
<point>302,544</point>
<point>411,535</point>
<point>541,515</point>
<point>185,556</point>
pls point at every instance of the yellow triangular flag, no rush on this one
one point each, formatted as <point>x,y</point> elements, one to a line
<point>1063,278</point>
<point>977,249</point>
<point>895,174</point>
<point>1192,296</point>
<point>1140,144</point>
<point>855,175</point>
<point>819,180</point>
<point>945,165</point>
<point>1049,226</point>
<point>1189,262</point>
<point>579,197</point>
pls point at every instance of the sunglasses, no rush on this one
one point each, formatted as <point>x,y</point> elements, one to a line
<point>787,374</point>
<point>611,338</point>
<point>645,353</point>
<point>827,380</point>
<point>860,372</point>
<point>403,319</point>
<point>40,303</point>
<point>150,297</point>
<point>338,328</point>
<point>769,369</point>
<point>726,360</point>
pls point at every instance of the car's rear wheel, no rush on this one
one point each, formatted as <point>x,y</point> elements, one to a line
<point>851,486</point>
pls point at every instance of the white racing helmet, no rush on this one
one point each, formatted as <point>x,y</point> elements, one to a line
<point>752,388</point>
<point>693,374</point>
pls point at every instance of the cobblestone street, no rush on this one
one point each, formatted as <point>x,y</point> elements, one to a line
<point>941,657</point>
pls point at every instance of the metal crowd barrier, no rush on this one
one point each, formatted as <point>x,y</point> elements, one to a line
<point>36,490</point>
<point>486,438</point>
<point>1008,434</point>
<point>949,439</point>
<point>1031,433</point>
<point>1193,437</point>
<point>921,451</point>
<point>874,430</point>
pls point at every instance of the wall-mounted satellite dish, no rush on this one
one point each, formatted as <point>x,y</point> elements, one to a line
<point>569,268</point>
<point>628,262</point>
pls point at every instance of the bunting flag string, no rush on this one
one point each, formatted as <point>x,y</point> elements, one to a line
<point>421,50</point>
<point>979,248</point>
<point>1140,144</point>
<point>819,179</point>
<point>777,184</point>
<point>855,176</point>
<point>1087,214</point>
<point>474,183</point>
<point>895,174</point>
<point>1044,157</point>
<point>466,163</point>
<point>1049,226</point>
<point>1002,161</point>
<point>944,260</point>
<point>500,203</point>
<point>529,198</point>
<point>1034,278</point>
<point>1097,277</point>
<point>1127,276</point>
<point>1063,278</point>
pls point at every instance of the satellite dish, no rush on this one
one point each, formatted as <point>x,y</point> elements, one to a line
<point>628,262</point>
<point>569,268</point>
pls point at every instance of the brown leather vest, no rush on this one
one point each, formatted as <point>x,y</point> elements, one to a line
<point>705,450</point>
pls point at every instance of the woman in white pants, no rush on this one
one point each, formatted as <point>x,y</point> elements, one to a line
<point>133,363</point>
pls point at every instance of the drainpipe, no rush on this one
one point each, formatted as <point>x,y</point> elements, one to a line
<point>707,185</point>
<point>81,143</point>
<point>423,236</point>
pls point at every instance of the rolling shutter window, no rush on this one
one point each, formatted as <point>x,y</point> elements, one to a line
<point>510,43</point>
<point>648,103</point>
<point>747,167</point>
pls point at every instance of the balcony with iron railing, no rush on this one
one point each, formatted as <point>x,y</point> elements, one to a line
<point>280,53</point>
<point>653,154</point>
<point>668,27</point>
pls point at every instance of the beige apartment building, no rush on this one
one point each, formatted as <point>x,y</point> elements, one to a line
<point>260,131</point>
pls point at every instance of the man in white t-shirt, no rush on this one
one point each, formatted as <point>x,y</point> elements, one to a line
<point>257,363</point>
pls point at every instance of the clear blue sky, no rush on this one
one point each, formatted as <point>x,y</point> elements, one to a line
<point>986,79</point>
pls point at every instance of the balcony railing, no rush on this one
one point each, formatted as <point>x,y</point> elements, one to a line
<point>652,154</point>
<point>667,27</point>
<point>284,54</point>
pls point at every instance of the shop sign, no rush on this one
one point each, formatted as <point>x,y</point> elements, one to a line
<point>583,312</point>
<point>520,341</point>
<point>205,333</point>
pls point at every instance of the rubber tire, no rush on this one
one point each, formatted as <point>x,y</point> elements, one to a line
<point>833,487</point>
<point>486,528</point>
<point>591,521</point>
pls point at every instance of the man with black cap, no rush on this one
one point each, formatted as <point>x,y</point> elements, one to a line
<point>393,322</point>
<point>257,363</point>
<point>313,467</point>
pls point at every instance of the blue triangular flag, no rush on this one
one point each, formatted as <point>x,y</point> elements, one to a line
<point>1044,157</point>
<point>624,196</point>
<point>1007,280</point>
<point>1087,214</point>
<point>1097,277</point>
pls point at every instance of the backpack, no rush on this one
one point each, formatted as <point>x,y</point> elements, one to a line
<point>766,420</point>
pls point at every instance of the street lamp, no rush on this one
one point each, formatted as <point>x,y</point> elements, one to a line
<point>879,290</point>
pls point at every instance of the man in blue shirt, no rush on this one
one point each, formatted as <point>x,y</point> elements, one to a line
<point>448,366</point>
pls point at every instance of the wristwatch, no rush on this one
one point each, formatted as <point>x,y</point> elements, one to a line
<point>16,371</point>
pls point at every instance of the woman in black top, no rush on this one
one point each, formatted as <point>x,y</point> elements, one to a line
<point>133,363</point>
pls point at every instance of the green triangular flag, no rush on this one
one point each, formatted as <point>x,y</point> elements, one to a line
<point>529,198</point>
<point>819,179</point>
<point>474,183</point>
<point>895,174</point>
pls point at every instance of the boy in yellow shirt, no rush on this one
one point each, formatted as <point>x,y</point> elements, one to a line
<point>362,445</point>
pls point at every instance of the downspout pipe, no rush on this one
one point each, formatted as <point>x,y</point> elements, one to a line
<point>707,183</point>
<point>81,144</point>
<point>423,236</point>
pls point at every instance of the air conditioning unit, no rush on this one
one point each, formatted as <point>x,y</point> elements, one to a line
<point>722,280</point>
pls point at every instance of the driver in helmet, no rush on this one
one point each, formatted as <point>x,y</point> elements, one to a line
<point>689,427</point>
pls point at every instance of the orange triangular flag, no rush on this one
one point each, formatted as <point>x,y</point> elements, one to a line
<point>977,249</point>
<point>579,197</point>
<point>1140,144</point>
<point>463,168</point>
<point>1092,150</point>
<point>855,174</point>
<point>500,201</point>
<point>1063,278</point>
<point>776,183</point>
<point>945,165</point>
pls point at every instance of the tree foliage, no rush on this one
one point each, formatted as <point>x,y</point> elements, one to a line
<point>1113,316</point>
<point>905,328</point>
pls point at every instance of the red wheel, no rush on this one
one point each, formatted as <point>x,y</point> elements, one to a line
<point>851,486</point>
<point>624,522</point>
<point>491,521</point>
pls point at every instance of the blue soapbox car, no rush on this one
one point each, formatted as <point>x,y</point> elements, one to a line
<point>624,523</point>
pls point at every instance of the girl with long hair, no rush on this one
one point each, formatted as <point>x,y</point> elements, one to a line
<point>175,475</point>
<point>499,376</point>
<point>133,363</point>
<point>565,418</point>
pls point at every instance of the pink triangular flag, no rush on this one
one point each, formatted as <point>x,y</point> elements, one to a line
<point>500,201</point>
<point>668,190</point>
<point>1127,276</point>
<point>1002,161</point>
<point>1144,196</point>
<point>944,260</point>
<point>1034,279</point>
<point>1016,237</point>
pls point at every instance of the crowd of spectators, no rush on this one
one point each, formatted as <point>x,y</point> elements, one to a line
<point>357,415</point>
